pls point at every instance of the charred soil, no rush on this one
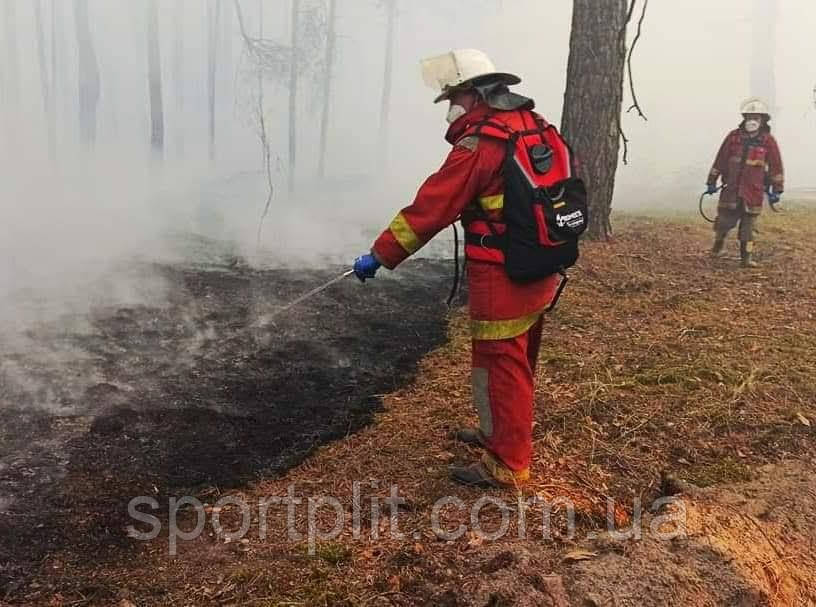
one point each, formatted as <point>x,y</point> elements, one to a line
<point>201,394</point>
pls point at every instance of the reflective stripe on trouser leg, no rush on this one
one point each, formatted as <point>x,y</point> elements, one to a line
<point>481,398</point>
<point>504,379</point>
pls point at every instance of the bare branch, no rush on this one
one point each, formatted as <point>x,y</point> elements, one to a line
<point>635,105</point>
<point>625,142</point>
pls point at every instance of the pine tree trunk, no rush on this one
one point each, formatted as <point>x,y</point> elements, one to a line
<point>88,74</point>
<point>178,74</point>
<point>227,22</point>
<point>329,68</point>
<point>592,101</point>
<point>385,105</point>
<point>57,51</point>
<point>155,80</point>
<point>45,88</point>
<point>293,89</point>
<point>212,51</point>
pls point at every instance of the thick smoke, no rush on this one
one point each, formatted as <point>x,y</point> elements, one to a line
<point>68,221</point>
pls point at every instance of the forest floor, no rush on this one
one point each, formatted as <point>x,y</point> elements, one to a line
<point>663,373</point>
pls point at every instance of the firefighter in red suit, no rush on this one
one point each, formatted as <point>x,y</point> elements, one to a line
<point>505,317</point>
<point>750,167</point>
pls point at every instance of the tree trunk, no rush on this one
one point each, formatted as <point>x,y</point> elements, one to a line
<point>154,78</point>
<point>293,87</point>
<point>592,101</point>
<point>178,74</point>
<point>44,80</point>
<point>88,70</point>
<point>763,51</point>
<point>328,65</point>
<point>11,80</point>
<point>385,105</point>
<point>228,22</point>
<point>57,51</point>
<point>212,50</point>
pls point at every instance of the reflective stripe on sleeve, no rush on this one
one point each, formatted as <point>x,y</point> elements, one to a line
<point>492,203</point>
<point>404,234</point>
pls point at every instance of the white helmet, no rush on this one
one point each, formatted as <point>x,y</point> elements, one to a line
<point>754,105</point>
<point>461,68</point>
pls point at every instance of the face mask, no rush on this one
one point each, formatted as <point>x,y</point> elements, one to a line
<point>455,113</point>
<point>752,126</point>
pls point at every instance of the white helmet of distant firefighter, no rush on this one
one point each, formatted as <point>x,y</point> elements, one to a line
<point>754,105</point>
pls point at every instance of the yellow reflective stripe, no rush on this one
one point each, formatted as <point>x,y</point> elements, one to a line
<point>502,329</point>
<point>405,234</point>
<point>755,163</point>
<point>492,203</point>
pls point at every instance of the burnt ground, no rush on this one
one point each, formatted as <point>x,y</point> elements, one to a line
<point>194,395</point>
<point>662,370</point>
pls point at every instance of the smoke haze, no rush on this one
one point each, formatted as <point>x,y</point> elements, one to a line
<point>67,222</point>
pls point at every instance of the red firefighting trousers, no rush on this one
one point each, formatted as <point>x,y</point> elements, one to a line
<point>503,378</point>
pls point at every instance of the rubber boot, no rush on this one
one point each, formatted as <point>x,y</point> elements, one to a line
<point>719,243</point>
<point>470,436</point>
<point>488,473</point>
<point>474,475</point>
<point>747,254</point>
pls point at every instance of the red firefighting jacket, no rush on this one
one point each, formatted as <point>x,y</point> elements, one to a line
<point>747,165</point>
<point>470,183</point>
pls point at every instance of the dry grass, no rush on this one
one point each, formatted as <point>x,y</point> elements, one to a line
<point>658,359</point>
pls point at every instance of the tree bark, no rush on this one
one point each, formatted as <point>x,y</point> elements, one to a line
<point>592,101</point>
<point>329,68</point>
<point>293,89</point>
<point>155,80</point>
<point>88,74</point>
<point>385,104</point>
<point>212,51</point>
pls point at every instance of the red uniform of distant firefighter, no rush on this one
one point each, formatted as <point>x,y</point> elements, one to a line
<point>505,316</point>
<point>750,166</point>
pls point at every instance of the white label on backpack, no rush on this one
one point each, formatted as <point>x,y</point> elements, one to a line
<point>572,220</point>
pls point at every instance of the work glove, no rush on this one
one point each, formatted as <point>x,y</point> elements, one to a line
<point>773,197</point>
<point>711,188</point>
<point>366,266</point>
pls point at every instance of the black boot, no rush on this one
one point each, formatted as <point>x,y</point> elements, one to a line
<point>746,254</point>
<point>470,436</point>
<point>719,243</point>
<point>475,475</point>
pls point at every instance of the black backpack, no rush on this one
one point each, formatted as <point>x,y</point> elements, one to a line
<point>545,204</point>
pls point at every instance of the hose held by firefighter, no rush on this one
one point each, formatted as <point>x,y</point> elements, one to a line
<point>750,166</point>
<point>509,178</point>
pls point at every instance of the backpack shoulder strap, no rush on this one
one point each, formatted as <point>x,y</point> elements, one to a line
<point>490,128</point>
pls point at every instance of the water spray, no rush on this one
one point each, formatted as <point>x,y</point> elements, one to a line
<point>310,294</point>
